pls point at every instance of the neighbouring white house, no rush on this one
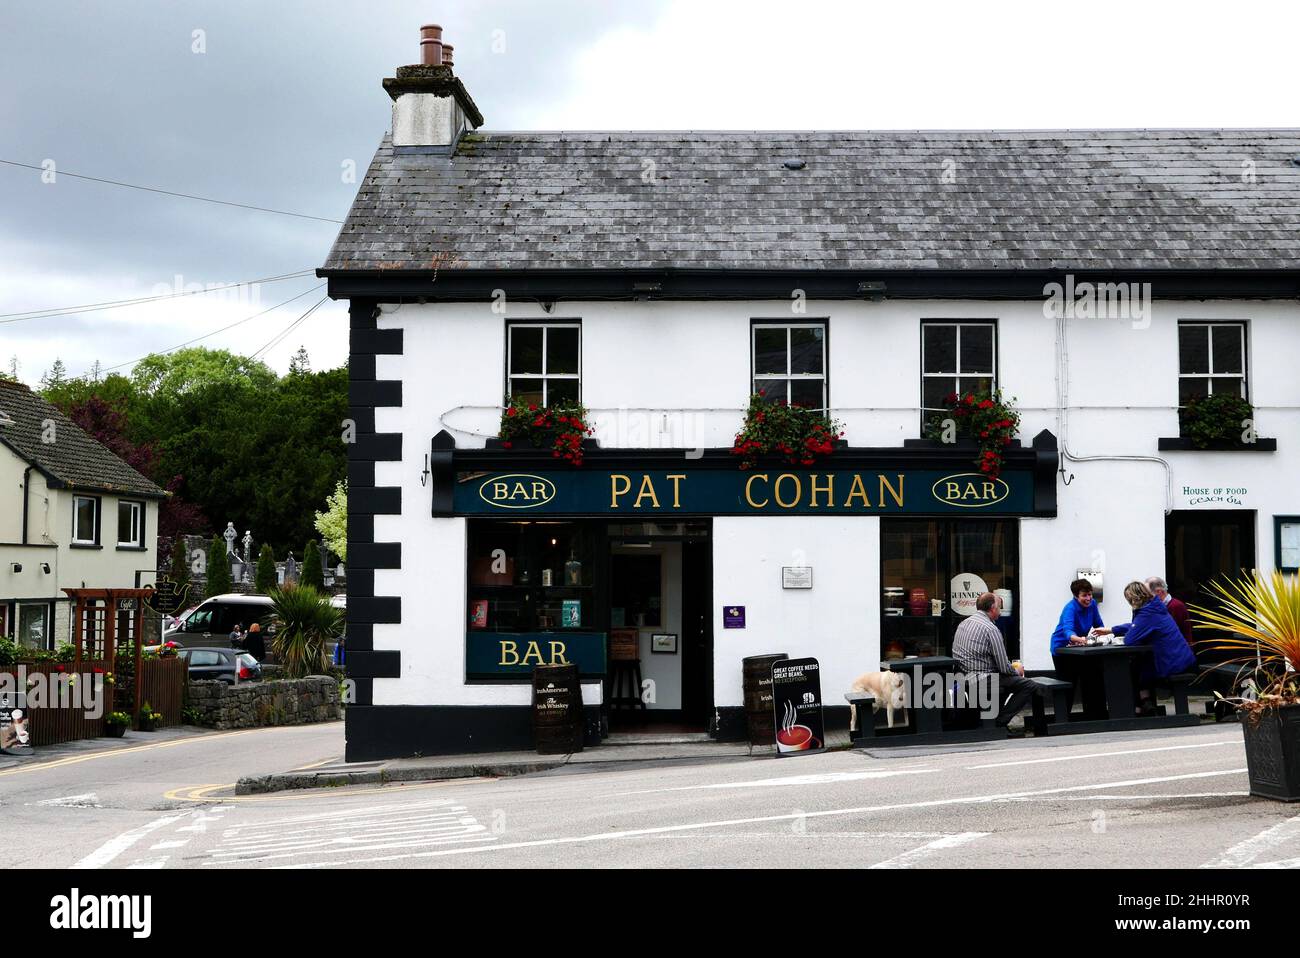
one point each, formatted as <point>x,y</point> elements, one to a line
<point>1104,280</point>
<point>72,515</point>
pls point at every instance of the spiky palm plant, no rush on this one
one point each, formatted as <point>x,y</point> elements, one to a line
<point>1262,616</point>
<point>305,623</point>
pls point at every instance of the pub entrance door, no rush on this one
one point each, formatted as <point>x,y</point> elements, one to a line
<point>660,635</point>
<point>1205,544</point>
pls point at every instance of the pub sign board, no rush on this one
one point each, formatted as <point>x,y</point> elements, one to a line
<point>735,492</point>
<point>797,706</point>
<point>513,655</point>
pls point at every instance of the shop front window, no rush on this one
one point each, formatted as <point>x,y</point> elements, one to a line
<point>532,576</point>
<point>933,570</point>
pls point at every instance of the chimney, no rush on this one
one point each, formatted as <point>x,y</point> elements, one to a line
<point>431,110</point>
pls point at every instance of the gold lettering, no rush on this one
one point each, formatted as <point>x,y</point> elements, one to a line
<point>829,489</point>
<point>557,654</point>
<point>532,655</point>
<point>509,652</point>
<point>498,490</point>
<point>798,490</point>
<point>989,490</point>
<point>953,491</point>
<point>615,491</point>
<point>970,492</point>
<point>647,491</point>
<point>896,494</point>
<point>858,491</point>
<point>519,491</point>
<point>677,489</point>
<point>749,496</point>
<point>539,490</point>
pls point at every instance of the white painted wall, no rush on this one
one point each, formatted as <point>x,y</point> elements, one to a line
<point>688,364</point>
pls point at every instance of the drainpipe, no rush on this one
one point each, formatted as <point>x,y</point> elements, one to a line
<point>27,473</point>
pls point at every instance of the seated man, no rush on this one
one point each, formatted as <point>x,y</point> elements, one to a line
<point>978,646</point>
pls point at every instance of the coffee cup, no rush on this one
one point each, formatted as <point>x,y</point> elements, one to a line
<point>796,738</point>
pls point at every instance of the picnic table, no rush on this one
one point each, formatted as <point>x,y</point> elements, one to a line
<point>1113,666</point>
<point>929,726</point>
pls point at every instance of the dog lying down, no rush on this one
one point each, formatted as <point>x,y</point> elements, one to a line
<point>889,689</point>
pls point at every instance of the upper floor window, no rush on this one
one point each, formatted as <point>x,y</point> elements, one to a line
<point>956,357</point>
<point>85,520</point>
<point>1211,359</point>
<point>544,362</point>
<point>130,523</point>
<point>789,363</point>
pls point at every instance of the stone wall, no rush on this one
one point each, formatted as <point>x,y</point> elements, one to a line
<point>257,704</point>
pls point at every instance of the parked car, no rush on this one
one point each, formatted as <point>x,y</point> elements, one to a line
<point>209,624</point>
<point>223,665</point>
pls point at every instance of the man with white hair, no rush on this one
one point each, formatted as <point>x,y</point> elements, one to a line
<point>1160,589</point>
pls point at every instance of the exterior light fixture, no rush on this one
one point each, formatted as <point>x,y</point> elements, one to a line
<point>15,567</point>
<point>45,567</point>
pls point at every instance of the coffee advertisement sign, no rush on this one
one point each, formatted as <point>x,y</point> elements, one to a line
<point>15,736</point>
<point>797,706</point>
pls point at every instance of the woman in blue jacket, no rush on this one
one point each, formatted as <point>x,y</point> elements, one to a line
<point>1153,625</point>
<point>1079,617</point>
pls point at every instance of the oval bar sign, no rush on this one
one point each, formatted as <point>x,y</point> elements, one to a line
<point>970,490</point>
<point>517,491</point>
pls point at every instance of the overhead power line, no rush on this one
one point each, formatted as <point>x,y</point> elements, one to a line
<point>190,342</point>
<point>53,311</point>
<point>279,337</point>
<point>187,196</point>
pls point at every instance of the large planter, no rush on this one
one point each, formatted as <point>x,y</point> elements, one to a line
<point>1273,752</point>
<point>114,731</point>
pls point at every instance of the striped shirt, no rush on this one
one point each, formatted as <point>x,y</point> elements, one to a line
<point>978,646</point>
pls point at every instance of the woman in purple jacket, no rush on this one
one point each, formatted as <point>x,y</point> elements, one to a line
<point>1153,625</point>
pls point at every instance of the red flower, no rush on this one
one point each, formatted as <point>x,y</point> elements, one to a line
<point>507,444</point>
<point>986,403</point>
<point>58,668</point>
<point>807,462</point>
<point>532,407</point>
<point>511,411</point>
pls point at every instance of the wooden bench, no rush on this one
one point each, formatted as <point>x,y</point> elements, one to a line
<point>1060,692</point>
<point>1178,686</point>
<point>864,703</point>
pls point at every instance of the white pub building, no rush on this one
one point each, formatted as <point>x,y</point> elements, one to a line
<point>1107,283</point>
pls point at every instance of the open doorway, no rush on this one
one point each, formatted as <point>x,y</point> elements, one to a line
<point>1203,545</point>
<point>659,597</point>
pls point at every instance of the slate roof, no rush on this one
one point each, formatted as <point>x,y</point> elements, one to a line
<point>1111,199</point>
<point>75,459</point>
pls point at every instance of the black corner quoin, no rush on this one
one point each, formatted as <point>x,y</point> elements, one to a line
<point>366,392</point>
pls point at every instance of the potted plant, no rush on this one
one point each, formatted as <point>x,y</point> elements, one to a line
<point>116,723</point>
<point>560,427</point>
<point>987,418</point>
<point>1219,419</point>
<point>796,434</point>
<point>149,718</point>
<point>1262,616</point>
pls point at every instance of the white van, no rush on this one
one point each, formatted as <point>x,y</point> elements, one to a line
<point>210,622</point>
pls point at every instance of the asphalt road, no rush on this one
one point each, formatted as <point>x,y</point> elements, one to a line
<point>1135,800</point>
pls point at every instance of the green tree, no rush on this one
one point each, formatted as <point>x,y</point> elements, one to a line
<point>332,524</point>
<point>180,567</point>
<point>311,573</point>
<point>186,370</point>
<point>265,578</point>
<point>218,568</point>
<point>300,364</point>
<point>55,376</point>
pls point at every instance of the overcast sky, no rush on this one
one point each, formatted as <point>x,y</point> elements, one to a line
<point>271,100</point>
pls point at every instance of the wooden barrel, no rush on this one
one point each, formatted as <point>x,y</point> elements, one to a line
<point>758,698</point>
<point>557,709</point>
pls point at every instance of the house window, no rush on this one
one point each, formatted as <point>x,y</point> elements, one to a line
<point>543,362</point>
<point>1211,359</point>
<point>34,626</point>
<point>956,357</point>
<point>789,363</point>
<point>85,520</point>
<point>130,523</point>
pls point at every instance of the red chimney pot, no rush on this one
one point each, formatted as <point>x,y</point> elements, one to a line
<point>431,48</point>
<point>446,54</point>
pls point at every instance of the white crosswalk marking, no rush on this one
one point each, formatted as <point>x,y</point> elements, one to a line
<point>413,825</point>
